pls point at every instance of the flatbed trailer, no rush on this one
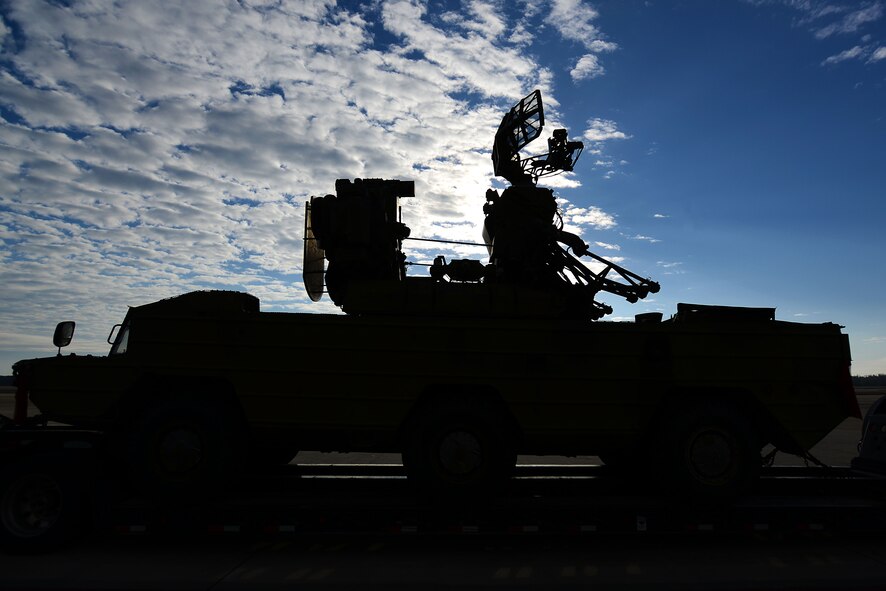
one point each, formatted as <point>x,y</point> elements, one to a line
<point>59,483</point>
<point>542,499</point>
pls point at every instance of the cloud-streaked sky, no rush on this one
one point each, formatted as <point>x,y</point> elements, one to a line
<point>735,150</point>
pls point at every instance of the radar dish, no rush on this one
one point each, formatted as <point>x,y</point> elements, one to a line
<point>522,124</point>
<point>314,264</point>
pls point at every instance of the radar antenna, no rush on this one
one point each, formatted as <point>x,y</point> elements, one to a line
<point>314,260</point>
<point>521,223</point>
<point>520,126</point>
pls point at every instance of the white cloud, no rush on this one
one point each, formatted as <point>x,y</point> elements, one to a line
<point>455,54</point>
<point>852,21</point>
<point>867,53</point>
<point>850,53</point>
<point>601,130</point>
<point>670,267</point>
<point>608,246</point>
<point>826,19</point>
<point>574,20</point>
<point>588,66</point>
<point>575,218</point>
<point>488,18</point>
<point>600,46</point>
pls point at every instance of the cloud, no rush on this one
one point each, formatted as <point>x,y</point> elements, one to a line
<point>851,53</point>
<point>577,219</point>
<point>593,216</point>
<point>573,19</point>
<point>851,22</point>
<point>867,53</point>
<point>645,238</point>
<point>153,148</point>
<point>454,52</point>
<point>671,268</point>
<point>607,246</point>
<point>588,66</point>
<point>598,132</point>
<point>601,130</point>
<point>825,20</point>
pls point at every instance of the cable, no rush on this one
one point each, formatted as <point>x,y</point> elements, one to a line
<point>448,241</point>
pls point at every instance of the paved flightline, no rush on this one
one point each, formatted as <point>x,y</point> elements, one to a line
<point>361,527</point>
<point>541,499</point>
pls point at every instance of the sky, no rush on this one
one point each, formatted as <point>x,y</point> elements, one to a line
<point>735,151</point>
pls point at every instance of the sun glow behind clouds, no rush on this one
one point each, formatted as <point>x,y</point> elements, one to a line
<point>151,148</point>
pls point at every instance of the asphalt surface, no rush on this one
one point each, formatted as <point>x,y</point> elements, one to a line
<point>230,561</point>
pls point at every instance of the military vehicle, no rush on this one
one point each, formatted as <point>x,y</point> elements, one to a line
<point>459,370</point>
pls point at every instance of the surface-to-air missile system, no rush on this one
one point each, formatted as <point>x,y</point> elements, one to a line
<point>459,370</point>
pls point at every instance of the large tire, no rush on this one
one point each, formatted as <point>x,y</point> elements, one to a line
<point>42,502</point>
<point>186,451</point>
<point>459,451</point>
<point>710,453</point>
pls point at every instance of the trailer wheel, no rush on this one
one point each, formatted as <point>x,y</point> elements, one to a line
<point>185,451</point>
<point>41,504</point>
<point>710,453</point>
<point>459,451</point>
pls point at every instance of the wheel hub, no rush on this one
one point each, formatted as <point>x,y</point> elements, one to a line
<point>460,453</point>
<point>32,505</point>
<point>180,450</point>
<point>711,454</point>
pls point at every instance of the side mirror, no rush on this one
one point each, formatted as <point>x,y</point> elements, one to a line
<point>64,333</point>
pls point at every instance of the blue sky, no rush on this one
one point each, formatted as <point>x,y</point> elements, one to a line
<point>735,150</point>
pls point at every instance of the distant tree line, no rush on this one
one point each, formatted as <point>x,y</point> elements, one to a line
<point>872,380</point>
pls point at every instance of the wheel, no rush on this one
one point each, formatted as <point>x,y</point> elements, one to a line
<point>710,453</point>
<point>184,451</point>
<point>460,451</point>
<point>41,504</point>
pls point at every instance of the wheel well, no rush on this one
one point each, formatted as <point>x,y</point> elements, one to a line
<point>151,390</point>
<point>738,400</point>
<point>459,395</point>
